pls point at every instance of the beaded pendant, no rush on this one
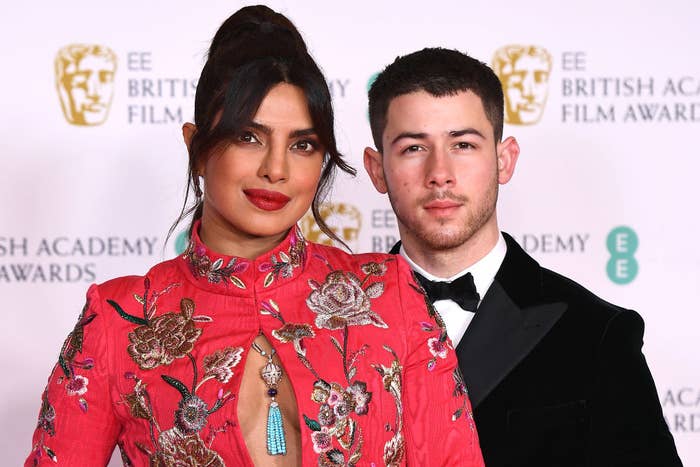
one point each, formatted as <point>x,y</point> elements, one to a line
<point>271,375</point>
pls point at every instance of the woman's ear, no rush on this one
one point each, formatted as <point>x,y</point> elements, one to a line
<point>188,131</point>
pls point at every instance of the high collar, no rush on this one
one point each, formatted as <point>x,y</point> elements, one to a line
<point>240,276</point>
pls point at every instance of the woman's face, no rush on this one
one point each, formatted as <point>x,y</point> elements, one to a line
<point>259,186</point>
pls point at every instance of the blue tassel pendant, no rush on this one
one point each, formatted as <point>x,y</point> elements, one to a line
<point>276,444</point>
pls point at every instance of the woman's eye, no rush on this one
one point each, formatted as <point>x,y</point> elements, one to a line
<point>304,146</point>
<point>248,137</point>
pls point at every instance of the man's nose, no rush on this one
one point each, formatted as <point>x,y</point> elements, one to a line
<point>274,167</point>
<point>439,169</point>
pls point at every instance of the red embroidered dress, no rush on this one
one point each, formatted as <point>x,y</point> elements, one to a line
<point>154,364</point>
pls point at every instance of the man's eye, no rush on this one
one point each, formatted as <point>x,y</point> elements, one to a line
<point>464,145</point>
<point>412,148</point>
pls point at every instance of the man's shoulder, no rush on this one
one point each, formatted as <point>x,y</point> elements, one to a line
<point>583,304</point>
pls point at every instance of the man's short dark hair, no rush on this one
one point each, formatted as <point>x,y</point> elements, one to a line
<point>439,72</point>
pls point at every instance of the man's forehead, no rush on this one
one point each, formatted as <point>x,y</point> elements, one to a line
<point>422,112</point>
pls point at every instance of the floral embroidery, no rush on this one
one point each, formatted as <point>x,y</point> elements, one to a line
<point>183,450</point>
<point>289,332</point>
<point>160,340</point>
<point>460,390</point>
<point>293,258</point>
<point>438,346</point>
<point>338,405</point>
<point>75,384</point>
<point>394,449</point>
<point>215,271</point>
<point>342,301</point>
<point>182,444</point>
<point>219,364</point>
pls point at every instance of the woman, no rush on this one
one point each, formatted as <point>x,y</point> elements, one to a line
<point>256,347</point>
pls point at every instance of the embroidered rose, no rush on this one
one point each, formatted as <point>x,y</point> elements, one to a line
<point>322,440</point>
<point>326,416</point>
<point>219,364</point>
<point>164,338</point>
<point>77,385</point>
<point>191,414</point>
<point>340,301</point>
<point>360,397</point>
<point>176,449</point>
<point>438,347</point>
<point>375,269</point>
<point>321,392</point>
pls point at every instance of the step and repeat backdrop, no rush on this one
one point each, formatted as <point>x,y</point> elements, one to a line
<point>604,98</point>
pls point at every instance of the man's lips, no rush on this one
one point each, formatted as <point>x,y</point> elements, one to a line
<point>440,204</point>
<point>266,200</point>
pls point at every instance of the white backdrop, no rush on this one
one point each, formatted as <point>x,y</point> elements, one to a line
<point>87,203</point>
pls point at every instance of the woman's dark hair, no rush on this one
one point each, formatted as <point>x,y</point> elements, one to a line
<point>255,49</point>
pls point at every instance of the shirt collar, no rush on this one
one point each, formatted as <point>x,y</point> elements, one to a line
<point>232,274</point>
<point>484,271</point>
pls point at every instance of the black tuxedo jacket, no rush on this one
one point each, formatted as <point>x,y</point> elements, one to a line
<point>557,377</point>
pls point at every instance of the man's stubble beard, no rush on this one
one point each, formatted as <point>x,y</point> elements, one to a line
<point>440,239</point>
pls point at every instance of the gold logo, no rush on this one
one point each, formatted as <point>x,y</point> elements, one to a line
<point>343,219</point>
<point>524,74</point>
<point>85,82</point>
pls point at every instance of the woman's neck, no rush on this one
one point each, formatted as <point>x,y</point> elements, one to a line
<point>220,237</point>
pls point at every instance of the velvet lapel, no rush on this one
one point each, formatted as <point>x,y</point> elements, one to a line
<point>512,318</point>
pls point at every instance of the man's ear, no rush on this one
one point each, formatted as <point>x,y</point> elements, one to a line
<point>375,169</point>
<point>507,152</point>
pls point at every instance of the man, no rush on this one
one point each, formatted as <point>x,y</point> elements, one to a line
<point>85,82</point>
<point>556,375</point>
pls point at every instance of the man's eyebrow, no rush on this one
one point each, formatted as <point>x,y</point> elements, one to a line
<point>466,131</point>
<point>408,135</point>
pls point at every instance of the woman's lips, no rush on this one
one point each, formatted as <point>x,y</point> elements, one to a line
<point>266,200</point>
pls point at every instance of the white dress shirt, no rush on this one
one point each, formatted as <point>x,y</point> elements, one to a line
<point>484,271</point>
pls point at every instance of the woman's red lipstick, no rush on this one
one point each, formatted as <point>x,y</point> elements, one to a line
<point>266,200</point>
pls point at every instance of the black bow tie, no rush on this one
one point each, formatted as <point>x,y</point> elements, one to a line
<point>462,291</point>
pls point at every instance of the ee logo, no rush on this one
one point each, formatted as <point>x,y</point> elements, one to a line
<point>181,242</point>
<point>622,244</point>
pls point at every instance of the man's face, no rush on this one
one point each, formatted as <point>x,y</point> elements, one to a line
<point>88,83</point>
<point>525,84</point>
<point>440,167</point>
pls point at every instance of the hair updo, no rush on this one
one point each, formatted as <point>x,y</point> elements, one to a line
<point>255,49</point>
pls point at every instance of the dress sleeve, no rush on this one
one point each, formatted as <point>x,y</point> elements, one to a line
<point>437,415</point>
<point>77,424</point>
<point>628,424</point>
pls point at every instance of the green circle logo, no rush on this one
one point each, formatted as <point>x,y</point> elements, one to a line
<point>622,243</point>
<point>181,242</point>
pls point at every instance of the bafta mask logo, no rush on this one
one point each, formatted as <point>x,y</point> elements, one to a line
<point>524,73</point>
<point>85,82</point>
<point>343,219</point>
